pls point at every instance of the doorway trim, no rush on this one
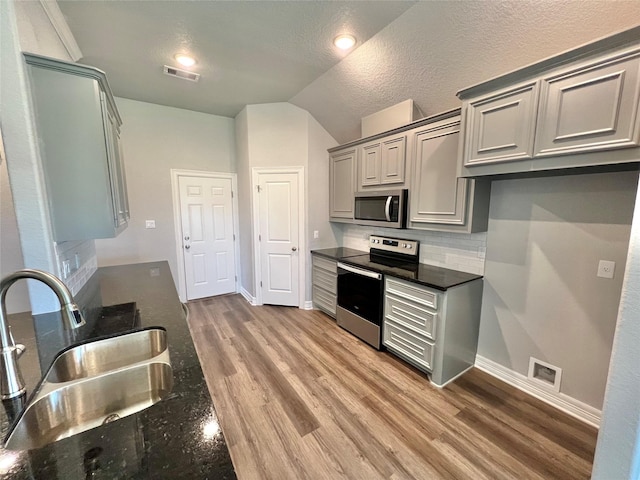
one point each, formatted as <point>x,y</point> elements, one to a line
<point>302,239</point>
<point>177,221</point>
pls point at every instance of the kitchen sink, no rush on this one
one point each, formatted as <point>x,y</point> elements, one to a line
<point>101,356</point>
<point>121,376</point>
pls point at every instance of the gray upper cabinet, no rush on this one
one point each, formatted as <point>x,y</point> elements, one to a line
<point>342,166</point>
<point>78,127</point>
<point>438,199</point>
<point>592,107</point>
<point>501,126</point>
<point>548,115</point>
<point>382,163</point>
<point>421,156</point>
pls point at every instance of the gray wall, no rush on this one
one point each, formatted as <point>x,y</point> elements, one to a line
<point>244,202</point>
<point>541,294</point>
<point>283,135</point>
<point>10,249</point>
<point>618,449</point>
<point>156,139</point>
<point>21,144</point>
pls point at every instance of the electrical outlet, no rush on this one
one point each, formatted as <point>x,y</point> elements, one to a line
<point>606,268</point>
<point>316,234</point>
<point>150,224</point>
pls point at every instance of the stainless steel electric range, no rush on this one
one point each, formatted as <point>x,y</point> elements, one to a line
<point>361,285</point>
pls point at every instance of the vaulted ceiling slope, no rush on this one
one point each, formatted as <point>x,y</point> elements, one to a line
<point>248,52</point>
<point>437,48</point>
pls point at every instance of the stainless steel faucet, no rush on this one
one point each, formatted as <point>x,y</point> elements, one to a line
<point>11,382</point>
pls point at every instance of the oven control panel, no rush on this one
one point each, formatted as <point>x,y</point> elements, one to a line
<point>396,245</point>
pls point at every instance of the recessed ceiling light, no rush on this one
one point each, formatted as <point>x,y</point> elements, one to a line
<point>344,42</point>
<point>185,60</point>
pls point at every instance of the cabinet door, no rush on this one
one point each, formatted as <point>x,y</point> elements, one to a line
<point>119,199</point>
<point>370,164</point>
<point>594,107</point>
<point>341,184</point>
<point>500,127</point>
<point>392,162</point>
<point>438,196</point>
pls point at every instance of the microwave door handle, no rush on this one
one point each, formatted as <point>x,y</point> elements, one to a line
<point>387,208</point>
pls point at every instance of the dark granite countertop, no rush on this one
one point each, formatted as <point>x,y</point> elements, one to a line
<point>178,437</point>
<point>338,253</point>
<point>423,274</point>
<point>428,275</point>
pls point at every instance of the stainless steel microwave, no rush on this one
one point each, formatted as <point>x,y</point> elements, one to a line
<point>382,209</point>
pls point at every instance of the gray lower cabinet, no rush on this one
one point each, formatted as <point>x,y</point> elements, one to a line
<point>439,199</point>
<point>435,331</point>
<point>342,167</point>
<point>577,109</point>
<point>78,128</point>
<point>324,284</point>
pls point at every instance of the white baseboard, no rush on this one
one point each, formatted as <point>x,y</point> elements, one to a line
<point>308,305</point>
<point>247,296</point>
<point>567,404</point>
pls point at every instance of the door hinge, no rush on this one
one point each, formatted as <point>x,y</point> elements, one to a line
<point>236,278</point>
<point>231,193</point>
<point>234,237</point>
<point>260,282</point>
<point>258,187</point>
<point>259,238</point>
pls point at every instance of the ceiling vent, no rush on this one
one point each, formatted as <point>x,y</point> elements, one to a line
<point>176,72</point>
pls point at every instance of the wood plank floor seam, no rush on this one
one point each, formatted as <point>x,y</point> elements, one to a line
<point>297,397</point>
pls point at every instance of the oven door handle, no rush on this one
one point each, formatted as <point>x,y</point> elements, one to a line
<point>387,208</point>
<point>359,271</point>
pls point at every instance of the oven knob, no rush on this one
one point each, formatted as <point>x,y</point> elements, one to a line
<point>408,245</point>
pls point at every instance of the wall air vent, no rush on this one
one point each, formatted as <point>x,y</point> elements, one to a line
<point>176,72</point>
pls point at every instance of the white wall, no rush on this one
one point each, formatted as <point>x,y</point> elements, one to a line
<point>541,296</point>
<point>156,139</point>
<point>618,448</point>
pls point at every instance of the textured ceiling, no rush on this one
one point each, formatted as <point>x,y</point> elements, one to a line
<point>248,51</point>
<point>262,51</point>
<point>437,48</point>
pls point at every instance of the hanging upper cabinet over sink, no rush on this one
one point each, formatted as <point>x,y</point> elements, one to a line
<point>78,128</point>
<point>548,115</point>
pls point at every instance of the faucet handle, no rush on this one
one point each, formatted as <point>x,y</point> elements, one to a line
<point>19,347</point>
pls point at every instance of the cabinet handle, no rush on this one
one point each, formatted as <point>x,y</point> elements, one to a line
<point>187,247</point>
<point>293,249</point>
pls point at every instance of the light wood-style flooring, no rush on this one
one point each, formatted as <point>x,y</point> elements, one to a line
<point>299,398</point>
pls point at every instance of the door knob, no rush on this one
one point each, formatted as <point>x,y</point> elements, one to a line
<point>187,238</point>
<point>293,249</point>
<point>187,247</point>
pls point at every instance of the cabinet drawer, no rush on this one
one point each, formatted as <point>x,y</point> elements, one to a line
<point>413,292</point>
<point>324,301</point>
<point>413,347</point>
<point>325,263</point>
<point>412,315</point>
<point>325,280</point>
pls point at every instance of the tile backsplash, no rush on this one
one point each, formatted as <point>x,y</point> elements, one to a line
<point>458,251</point>
<point>77,261</point>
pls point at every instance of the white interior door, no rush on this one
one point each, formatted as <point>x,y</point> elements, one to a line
<point>206,208</point>
<point>279,209</point>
